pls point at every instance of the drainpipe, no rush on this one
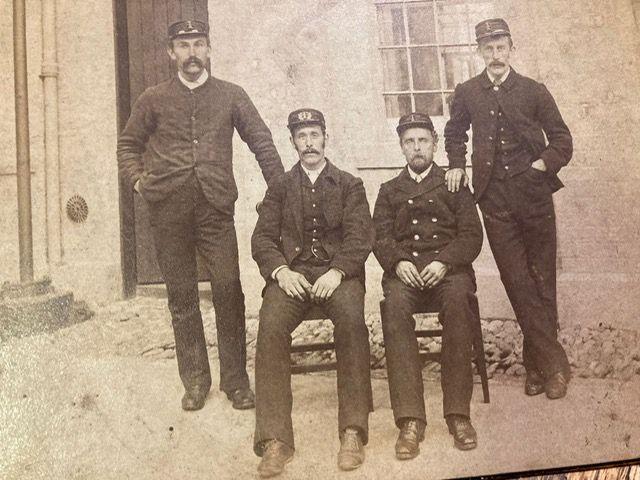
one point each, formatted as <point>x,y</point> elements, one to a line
<point>23,167</point>
<point>49,78</point>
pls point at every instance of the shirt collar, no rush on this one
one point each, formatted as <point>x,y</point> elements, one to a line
<point>199,81</point>
<point>313,174</point>
<point>500,80</point>
<point>418,177</point>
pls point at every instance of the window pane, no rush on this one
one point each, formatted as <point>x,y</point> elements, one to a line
<point>421,23</point>
<point>391,25</point>
<point>397,105</point>
<point>459,65</point>
<point>395,69</point>
<point>425,68</point>
<point>430,103</point>
<point>452,22</point>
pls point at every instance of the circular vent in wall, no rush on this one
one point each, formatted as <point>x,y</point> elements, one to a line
<point>77,209</point>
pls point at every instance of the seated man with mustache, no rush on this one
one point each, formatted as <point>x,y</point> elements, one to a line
<point>312,238</point>
<point>426,239</point>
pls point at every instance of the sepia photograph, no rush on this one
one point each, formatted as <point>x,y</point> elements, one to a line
<point>320,239</point>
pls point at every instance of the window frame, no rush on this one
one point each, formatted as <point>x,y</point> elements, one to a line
<point>408,46</point>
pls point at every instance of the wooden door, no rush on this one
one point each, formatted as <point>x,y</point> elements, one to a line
<point>149,64</point>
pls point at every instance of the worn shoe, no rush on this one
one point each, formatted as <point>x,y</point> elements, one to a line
<point>275,455</point>
<point>556,385</point>
<point>351,454</point>
<point>534,383</point>
<point>409,438</point>
<point>242,399</point>
<point>464,435</point>
<point>193,398</point>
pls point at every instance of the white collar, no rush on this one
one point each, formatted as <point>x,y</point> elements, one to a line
<point>198,82</point>
<point>418,177</point>
<point>313,174</point>
<point>502,79</point>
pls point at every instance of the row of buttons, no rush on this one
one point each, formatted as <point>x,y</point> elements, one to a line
<point>415,254</point>
<point>410,201</point>
<point>417,237</point>
<point>415,220</point>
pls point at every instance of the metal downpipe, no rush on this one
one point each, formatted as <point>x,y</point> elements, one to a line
<point>23,162</point>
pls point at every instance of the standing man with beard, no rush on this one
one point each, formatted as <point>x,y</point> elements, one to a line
<point>426,240</point>
<point>176,152</point>
<point>312,238</point>
<point>514,176</point>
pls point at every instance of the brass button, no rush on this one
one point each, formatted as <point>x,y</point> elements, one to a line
<point>496,88</point>
<point>416,237</point>
<point>415,254</point>
<point>297,249</point>
<point>410,201</point>
<point>195,140</point>
<point>431,200</point>
<point>506,167</point>
<point>435,235</point>
<point>414,221</point>
<point>434,219</point>
<point>492,112</point>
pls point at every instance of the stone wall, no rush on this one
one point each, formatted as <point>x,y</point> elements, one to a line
<point>90,263</point>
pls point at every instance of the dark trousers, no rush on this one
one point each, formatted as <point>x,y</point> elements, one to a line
<point>279,316</point>
<point>185,223</point>
<point>520,222</point>
<point>452,298</point>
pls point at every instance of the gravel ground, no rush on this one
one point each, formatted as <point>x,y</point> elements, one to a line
<point>100,400</point>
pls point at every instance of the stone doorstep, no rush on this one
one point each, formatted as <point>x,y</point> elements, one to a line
<point>28,289</point>
<point>25,315</point>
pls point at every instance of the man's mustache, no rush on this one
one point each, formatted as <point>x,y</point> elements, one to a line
<point>311,150</point>
<point>194,60</point>
<point>496,64</point>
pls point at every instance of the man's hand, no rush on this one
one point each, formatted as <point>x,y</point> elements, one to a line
<point>136,186</point>
<point>325,285</point>
<point>454,177</point>
<point>408,273</point>
<point>293,283</point>
<point>433,273</point>
<point>539,165</point>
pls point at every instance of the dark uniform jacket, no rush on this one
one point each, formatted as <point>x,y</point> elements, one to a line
<point>529,109</point>
<point>174,131</point>
<point>348,239</point>
<point>423,222</point>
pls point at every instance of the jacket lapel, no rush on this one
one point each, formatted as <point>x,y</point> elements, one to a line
<point>332,195</point>
<point>294,196</point>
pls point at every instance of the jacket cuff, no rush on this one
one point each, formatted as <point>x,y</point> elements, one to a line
<point>457,162</point>
<point>276,270</point>
<point>553,165</point>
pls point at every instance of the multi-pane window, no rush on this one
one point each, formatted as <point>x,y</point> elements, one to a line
<point>427,47</point>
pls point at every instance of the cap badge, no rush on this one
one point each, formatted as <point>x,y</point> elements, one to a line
<point>305,116</point>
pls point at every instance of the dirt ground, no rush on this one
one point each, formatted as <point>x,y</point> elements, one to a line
<point>101,400</point>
